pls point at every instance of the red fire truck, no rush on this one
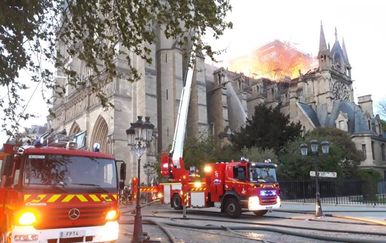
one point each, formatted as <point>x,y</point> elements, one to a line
<point>55,194</point>
<point>232,186</point>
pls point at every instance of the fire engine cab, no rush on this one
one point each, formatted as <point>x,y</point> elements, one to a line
<point>56,194</point>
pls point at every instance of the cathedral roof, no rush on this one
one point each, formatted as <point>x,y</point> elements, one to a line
<point>357,120</point>
<point>338,53</point>
<point>310,113</point>
<point>345,52</point>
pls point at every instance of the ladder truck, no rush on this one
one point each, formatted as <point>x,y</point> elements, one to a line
<point>233,187</point>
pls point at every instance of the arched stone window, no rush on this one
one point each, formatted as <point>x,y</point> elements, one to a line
<point>74,129</point>
<point>372,150</point>
<point>256,89</point>
<point>99,134</point>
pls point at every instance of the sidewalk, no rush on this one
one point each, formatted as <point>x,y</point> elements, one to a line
<point>374,214</point>
<point>298,206</point>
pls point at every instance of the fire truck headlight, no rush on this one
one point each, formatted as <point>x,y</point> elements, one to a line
<point>197,184</point>
<point>267,193</point>
<point>253,203</point>
<point>207,169</point>
<point>160,195</point>
<point>112,215</point>
<point>27,218</point>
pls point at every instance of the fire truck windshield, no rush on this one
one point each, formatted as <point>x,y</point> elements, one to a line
<point>263,174</point>
<point>70,173</point>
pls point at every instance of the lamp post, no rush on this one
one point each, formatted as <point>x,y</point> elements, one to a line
<point>314,144</point>
<point>139,137</point>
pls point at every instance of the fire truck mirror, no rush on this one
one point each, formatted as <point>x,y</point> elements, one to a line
<point>122,172</point>
<point>121,184</point>
<point>3,179</point>
<point>6,172</point>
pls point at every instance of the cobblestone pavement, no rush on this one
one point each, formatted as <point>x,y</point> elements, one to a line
<point>288,214</point>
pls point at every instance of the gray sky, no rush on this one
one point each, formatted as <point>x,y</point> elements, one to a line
<point>360,23</point>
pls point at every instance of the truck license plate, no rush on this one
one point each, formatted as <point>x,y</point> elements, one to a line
<point>71,234</point>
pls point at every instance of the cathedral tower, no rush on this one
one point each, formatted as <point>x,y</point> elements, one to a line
<point>324,56</point>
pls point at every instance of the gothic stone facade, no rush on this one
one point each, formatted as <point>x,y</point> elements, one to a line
<point>156,94</point>
<point>220,102</point>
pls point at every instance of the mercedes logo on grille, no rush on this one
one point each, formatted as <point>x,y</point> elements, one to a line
<point>74,214</point>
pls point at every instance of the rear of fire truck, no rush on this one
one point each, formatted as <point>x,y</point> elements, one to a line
<point>51,194</point>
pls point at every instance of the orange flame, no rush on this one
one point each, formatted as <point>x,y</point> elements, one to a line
<point>276,60</point>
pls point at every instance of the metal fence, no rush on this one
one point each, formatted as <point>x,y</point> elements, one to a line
<point>335,191</point>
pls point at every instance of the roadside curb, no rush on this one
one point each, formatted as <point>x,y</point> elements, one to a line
<point>337,205</point>
<point>358,219</point>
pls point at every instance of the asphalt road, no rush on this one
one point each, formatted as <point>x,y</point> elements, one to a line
<point>290,214</point>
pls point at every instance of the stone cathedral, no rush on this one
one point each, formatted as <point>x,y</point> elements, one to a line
<point>220,102</point>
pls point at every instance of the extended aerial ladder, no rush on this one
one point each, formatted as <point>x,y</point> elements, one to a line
<point>172,164</point>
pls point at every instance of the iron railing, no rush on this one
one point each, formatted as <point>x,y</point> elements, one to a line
<point>335,191</point>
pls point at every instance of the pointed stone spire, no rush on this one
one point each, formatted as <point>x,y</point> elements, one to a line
<point>322,40</point>
<point>336,35</point>
<point>345,52</point>
<point>324,56</point>
<point>348,66</point>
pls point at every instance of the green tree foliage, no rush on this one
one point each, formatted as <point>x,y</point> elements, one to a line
<point>227,153</point>
<point>382,112</point>
<point>382,108</point>
<point>259,155</point>
<point>268,129</point>
<point>96,32</point>
<point>370,180</point>
<point>383,122</point>
<point>198,151</point>
<point>343,157</point>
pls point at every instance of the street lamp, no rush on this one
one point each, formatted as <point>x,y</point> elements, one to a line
<point>314,144</point>
<point>139,136</point>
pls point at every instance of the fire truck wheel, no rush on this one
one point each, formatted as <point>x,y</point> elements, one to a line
<point>232,207</point>
<point>176,202</point>
<point>260,213</point>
